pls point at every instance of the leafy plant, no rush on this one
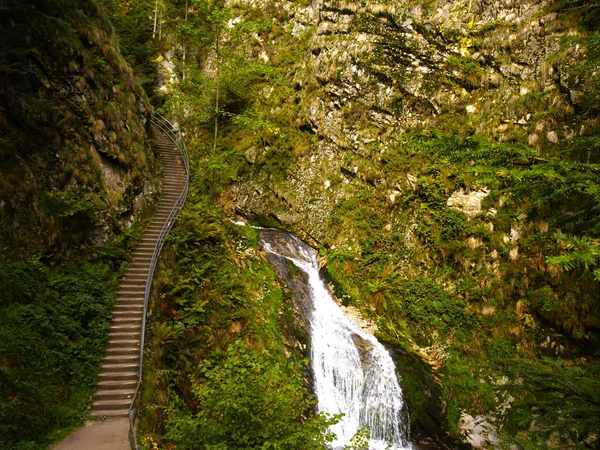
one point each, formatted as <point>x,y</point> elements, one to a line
<point>579,251</point>
<point>54,323</point>
<point>250,399</point>
<point>555,397</point>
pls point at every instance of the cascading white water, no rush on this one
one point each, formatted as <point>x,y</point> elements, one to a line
<point>354,374</point>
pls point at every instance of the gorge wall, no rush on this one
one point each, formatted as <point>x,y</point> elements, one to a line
<point>75,158</point>
<point>443,158</point>
<point>77,175</point>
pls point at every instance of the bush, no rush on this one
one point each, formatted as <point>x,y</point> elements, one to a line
<point>54,323</point>
<point>250,399</point>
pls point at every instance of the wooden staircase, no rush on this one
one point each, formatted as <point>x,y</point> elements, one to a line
<point>121,364</point>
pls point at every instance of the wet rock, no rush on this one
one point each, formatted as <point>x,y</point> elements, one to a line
<point>411,181</point>
<point>367,325</point>
<point>364,348</point>
<point>488,311</point>
<point>520,309</point>
<point>251,154</point>
<point>294,278</point>
<point>474,242</point>
<point>533,138</point>
<point>515,234</point>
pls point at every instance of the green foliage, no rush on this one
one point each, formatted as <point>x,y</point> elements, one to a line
<point>500,348</point>
<point>251,399</point>
<point>360,441</point>
<point>455,225</point>
<point>466,387</point>
<point>231,383</point>
<point>554,397</point>
<point>70,104</point>
<point>563,192</point>
<point>471,72</point>
<point>412,263</point>
<point>53,328</point>
<point>580,251</point>
<point>583,12</point>
<point>76,201</point>
<point>585,149</point>
<point>236,83</point>
<point>425,303</point>
<point>132,20</point>
<point>453,416</point>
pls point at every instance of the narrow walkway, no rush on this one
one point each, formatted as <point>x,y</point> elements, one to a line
<point>111,434</point>
<point>121,364</point>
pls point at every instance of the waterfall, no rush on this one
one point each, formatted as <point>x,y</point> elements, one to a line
<point>353,373</point>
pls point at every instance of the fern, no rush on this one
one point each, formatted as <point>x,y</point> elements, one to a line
<point>579,251</point>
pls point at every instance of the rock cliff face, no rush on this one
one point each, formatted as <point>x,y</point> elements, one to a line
<point>375,71</point>
<point>76,171</point>
<point>443,157</point>
<point>421,124</point>
<point>75,159</point>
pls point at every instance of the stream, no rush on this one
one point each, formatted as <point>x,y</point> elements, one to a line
<point>353,373</point>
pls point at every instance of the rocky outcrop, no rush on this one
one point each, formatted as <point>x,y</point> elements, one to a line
<point>401,106</point>
<point>469,203</point>
<point>374,71</point>
<point>76,160</point>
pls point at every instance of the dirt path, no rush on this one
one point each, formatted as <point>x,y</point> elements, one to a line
<point>110,434</point>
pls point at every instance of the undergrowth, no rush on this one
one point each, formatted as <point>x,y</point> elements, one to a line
<point>469,297</point>
<point>220,374</point>
<point>73,168</point>
<point>54,318</point>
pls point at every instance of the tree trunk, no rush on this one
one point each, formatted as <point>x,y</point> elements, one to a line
<point>155,18</point>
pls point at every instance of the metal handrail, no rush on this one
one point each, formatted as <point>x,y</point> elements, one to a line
<point>174,134</point>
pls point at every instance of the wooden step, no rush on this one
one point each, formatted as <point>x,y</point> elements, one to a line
<point>131,288</point>
<point>136,281</point>
<point>134,323</point>
<point>128,306</point>
<point>128,298</point>
<point>150,246</point>
<point>121,359</point>
<point>123,351</point>
<point>119,374</point>
<point>167,204</point>
<point>126,328</point>
<point>140,262</point>
<point>124,335</point>
<point>120,367</point>
<point>134,303</point>
<point>167,209</point>
<point>123,343</point>
<point>102,414</point>
<point>135,278</point>
<point>128,320</point>
<point>125,315</point>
